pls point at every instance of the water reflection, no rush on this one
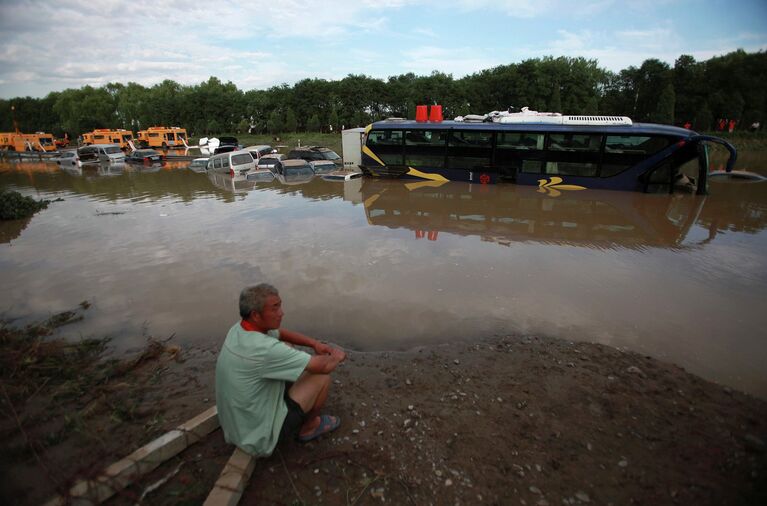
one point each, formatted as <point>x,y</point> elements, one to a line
<point>375,264</point>
<point>507,214</point>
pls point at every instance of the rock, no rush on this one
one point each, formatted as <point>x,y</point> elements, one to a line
<point>448,482</point>
<point>634,370</point>
<point>534,489</point>
<point>542,502</point>
<point>438,472</point>
<point>623,463</point>
<point>408,382</point>
<point>407,422</point>
<point>456,361</point>
<point>582,496</point>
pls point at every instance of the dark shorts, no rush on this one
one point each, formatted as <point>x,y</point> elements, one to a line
<point>294,419</point>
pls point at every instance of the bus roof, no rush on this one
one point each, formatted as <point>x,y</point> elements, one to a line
<point>635,129</point>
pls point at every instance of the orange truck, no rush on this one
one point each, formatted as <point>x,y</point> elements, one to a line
<point>162,137</point>
<point>17,141</point>
<point>109,136</point>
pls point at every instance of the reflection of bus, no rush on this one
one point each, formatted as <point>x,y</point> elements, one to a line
<point>547,150</point>
<point>16,141</point>
<point>162,137</point>
<point>518,214</point>
<point>109,136</point>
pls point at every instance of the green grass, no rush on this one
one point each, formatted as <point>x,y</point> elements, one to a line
<point>751,141</point>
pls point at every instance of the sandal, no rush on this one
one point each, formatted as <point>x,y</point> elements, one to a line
<point>327,424</point>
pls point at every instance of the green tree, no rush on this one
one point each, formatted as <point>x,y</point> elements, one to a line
<point>290,121</point>
<point>214,127</point>
<point>664,111</point>
<point>313,125</point>
<point>704,119</point>
<point>275,123</point>
<point>242,126</point>
<point>555,103</point>
<point>333,120</point>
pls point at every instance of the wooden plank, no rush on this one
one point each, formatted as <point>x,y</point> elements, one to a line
<point>232,481</point>
<point>120,474</point>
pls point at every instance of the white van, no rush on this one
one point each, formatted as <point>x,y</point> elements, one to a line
<point>107,153</point>
<point>233,163</point>
<point>110,153</point>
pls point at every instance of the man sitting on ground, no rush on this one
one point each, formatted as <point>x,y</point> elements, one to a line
<point>266,390</point>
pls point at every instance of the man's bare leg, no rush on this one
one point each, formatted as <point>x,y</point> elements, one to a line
<point>310,392</point>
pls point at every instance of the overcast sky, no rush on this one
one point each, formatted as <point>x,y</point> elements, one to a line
<point>53,45</point>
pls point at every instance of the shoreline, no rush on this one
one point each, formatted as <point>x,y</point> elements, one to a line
<point>507,420</point>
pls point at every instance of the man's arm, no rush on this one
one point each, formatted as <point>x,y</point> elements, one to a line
<point>299,339</point>
<point>325,364</point>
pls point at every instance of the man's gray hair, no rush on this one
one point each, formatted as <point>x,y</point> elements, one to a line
<point>253,298</point>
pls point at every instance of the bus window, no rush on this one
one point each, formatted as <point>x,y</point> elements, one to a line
<point>612,169</point>
<point>387,145</point>
<point>470,150</point>
<point>385,138</point>
<point>425,137</point>
<point>520,140</point>
<point>519,152</point>
<point>571,169</point>
<point>425,148</point>
<point>635,144</point>
<point>574,142</point>
<point>529,166</point>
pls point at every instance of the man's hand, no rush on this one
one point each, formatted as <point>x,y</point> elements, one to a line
<point>338,354</point>
<point>322,348</point>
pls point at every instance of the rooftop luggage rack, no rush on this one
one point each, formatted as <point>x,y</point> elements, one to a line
<point>552,118</point>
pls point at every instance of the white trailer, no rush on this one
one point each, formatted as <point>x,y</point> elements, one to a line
<point>351,144</point>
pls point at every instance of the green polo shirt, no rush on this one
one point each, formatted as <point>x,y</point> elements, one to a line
<point>251,372</point>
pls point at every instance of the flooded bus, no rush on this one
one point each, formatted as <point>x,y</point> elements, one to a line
<point>547,150</point>
<point>118,136</point>
<point>162,137</point>
<point>16,141</point>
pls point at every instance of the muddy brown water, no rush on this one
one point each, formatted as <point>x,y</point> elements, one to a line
<point>378,265</point>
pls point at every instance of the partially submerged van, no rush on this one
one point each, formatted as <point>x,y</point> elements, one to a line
<point>95,153</point>
<point>234,163</point>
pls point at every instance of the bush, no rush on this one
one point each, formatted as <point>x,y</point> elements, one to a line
<point>14,206</point>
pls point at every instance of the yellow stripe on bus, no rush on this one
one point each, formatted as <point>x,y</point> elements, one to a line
<point>425,175</point>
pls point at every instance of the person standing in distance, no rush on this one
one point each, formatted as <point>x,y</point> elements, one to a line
<point>266,390</point>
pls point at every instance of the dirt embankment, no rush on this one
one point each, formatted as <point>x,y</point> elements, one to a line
<point>516,420</point>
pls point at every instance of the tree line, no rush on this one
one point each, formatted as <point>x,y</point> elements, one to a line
<point>699,93</point>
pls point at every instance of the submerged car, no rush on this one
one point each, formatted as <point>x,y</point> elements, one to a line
<point>293,171</point>
<point>313,153</point>
<point>146,157</point>
<point>238,162</point>
<point>67,158</point>
<point>226,144</point>
<point>323,166</point>
<point>110,153</point>
<point>260,150</point>
<point>199,164</point>
<point>267,162</point>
